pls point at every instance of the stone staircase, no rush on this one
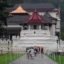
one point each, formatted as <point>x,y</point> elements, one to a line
<point>35,33</point>
<point>32,38</point>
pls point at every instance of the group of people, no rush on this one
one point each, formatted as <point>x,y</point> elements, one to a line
<point>32,52</point>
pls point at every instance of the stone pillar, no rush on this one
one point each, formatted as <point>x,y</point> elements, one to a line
<point>39,27</point>
<point>29,27</point>
<point>58,26</point>
<point>53,29</point>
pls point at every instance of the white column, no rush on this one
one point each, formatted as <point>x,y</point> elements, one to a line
<point>53,29</point>
<point>29,27</point>
<point>58,26</point>
<point>39,27</point>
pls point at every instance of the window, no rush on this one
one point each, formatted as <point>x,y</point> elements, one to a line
<point>57,34</point>
<point>35,27</point>
<point>25,27</point>
<point>43,27</point>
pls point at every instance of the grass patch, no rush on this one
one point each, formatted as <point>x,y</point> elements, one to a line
<point>7,58</point>
<point>58,58</point>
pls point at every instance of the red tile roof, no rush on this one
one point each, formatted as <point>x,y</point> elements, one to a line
<point>35,18</point>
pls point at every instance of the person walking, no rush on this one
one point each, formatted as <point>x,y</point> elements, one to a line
<point>35,51</point>
<point>32,53</point>
<point>42,52</point>
<point>28,53</point>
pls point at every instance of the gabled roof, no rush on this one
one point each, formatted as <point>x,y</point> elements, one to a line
<point>19,10</point>
<point>48,17</point>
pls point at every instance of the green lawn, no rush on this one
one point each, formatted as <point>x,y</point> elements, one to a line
<point>58,58</point>
<point>7,58</point>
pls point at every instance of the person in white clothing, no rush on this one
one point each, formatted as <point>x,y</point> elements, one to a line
<point>32,53</point>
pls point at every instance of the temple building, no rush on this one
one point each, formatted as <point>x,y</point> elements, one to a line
<point>34,25</point>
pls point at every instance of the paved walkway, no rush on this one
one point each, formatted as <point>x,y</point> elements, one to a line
<point>37,60</point>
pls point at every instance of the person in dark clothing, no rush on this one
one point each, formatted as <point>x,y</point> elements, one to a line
<point>35,51</point>
<point>42,51</point>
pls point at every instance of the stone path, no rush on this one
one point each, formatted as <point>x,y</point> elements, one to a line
<point>37,60</point>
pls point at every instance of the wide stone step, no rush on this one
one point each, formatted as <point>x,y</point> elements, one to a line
<point>34,35</point>
<point>36,38</point>
<point>30,43</point>
<point>34,32</point>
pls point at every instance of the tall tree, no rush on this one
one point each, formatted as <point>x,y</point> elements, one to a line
<point>3,15</point>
